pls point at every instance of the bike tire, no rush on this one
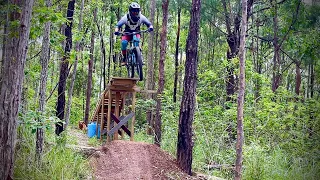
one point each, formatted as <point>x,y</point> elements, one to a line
<point>130,66</point>
<point>139,63</point>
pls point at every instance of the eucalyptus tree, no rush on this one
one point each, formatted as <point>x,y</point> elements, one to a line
<point>90,69</point>
<point>186,117</point>
<point>176,64</point>
<point>64,69</point>
<point>163,40</point>
<point>12,72</point>
<point>150,65</point>
<point>44,60</point>
<point>242,81</point>
<point>73,77</point>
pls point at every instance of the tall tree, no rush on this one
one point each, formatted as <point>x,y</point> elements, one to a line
<point>163,40</point>
<point>64,71</point>
<point>276,75</point>
<point>176,64</point>
<point>242,80</point>
<point>74,73</point>
<point>233,37</point>
<point>150,65</point>
<point>44,60</point>
<point>185,142</point>
<point>11,79</point>
<point>90,69</point>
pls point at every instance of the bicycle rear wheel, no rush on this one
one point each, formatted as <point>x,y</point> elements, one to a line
<point>139,63</point>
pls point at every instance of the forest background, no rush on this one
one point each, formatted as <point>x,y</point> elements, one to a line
<point>281,109</point>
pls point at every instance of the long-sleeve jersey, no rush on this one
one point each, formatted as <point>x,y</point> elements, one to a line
<point>133,26</point>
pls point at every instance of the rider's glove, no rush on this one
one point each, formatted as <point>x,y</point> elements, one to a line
<point>117,33</point>
<point>150,29</point>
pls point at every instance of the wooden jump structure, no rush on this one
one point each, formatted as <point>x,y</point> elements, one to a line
<point>111,104</point>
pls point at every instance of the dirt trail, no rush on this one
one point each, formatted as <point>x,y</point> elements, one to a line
<point>130,160</point>
<point>135,160</point>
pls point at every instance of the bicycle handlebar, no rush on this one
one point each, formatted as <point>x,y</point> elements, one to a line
<point>132,33</point>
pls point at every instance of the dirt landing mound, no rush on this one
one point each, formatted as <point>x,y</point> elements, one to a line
<point>135,160</point>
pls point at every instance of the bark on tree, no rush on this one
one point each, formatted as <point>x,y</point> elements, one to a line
<point>150,65</point>
<point>233,39</point>
<point>242,79</point>
<point>74,73</point>
<point>110,42</point>
<point>44,60</point>
<point>185,141</point>
<point>298,78</point>
<point>276,74</point>
<point>103,60</point>
<point>176,65</point>
<point>11,79</point>
<point>64,71</point>
<point>90,69</point>
<point>163,40</point>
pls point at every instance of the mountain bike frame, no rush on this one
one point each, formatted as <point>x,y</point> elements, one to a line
<point>134,55</point>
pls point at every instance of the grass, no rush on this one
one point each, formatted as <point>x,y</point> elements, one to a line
<point>58,162</point>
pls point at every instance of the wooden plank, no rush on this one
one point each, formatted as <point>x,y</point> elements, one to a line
<point>123,127</point>
<point>109,114</point>
<point>102,120</point>
<point>121,123</point>
<point>134,117</point>
<point>117,112</point>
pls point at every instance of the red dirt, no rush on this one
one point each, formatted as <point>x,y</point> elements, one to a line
<point>135,160</point>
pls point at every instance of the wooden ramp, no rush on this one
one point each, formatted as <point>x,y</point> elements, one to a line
<point>111,105</point>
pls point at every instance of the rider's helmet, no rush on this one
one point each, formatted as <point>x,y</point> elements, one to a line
<point>134,12</point>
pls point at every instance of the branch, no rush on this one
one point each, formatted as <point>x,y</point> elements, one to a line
<point>295,17</point>
<point>58,84</point>
<point>266,8</point>
<point>34,56</point>
<point>262,38</point>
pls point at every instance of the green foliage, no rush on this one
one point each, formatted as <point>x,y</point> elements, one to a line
<point>35,119</point>
<point>58,162</point>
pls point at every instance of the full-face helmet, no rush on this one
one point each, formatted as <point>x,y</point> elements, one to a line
<point>134,11</point>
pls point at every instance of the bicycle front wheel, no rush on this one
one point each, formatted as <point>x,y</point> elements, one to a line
<point>139,62</point>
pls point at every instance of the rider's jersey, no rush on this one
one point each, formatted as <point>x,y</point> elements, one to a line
<point>133,26</point>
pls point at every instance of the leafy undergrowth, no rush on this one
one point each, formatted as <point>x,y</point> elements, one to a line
<point>58,162</point>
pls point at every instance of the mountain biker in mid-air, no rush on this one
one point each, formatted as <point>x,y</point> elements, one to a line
<point>132,20</point>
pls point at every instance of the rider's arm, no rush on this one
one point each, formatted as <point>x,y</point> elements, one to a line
<point>122,21</point>
<point>145,21</point>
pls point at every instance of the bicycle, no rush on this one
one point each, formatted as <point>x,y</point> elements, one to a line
<point>134,55</point>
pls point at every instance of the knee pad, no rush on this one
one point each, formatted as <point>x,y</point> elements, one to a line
<point>124,44</point>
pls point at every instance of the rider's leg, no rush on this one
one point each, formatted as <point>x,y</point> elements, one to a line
<point>124,44</point>
<point>138,36</point>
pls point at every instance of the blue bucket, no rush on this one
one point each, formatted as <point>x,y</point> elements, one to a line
<point>92,129</point>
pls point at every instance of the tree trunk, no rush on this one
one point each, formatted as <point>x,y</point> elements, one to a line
<point>64,71</point>
<point>276,76</point>
<point>110,42</point>
<point>298,78</point>
<point>150,71</point>
<point>44,60</point>
<point>233,42</point>
<point>74,73</point>
<point>185,142</point>
<point>11,79</point>
<point>163,48</point>
<point>103,60</point>
<point>242,80</point>
<point>176,65</point>
<point>312,80</point>
<point>90,69</point>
